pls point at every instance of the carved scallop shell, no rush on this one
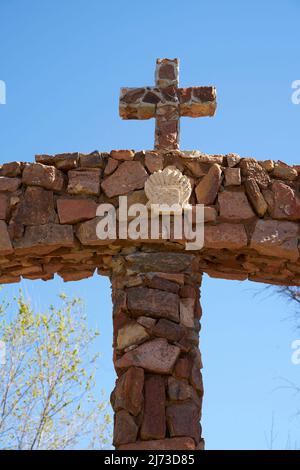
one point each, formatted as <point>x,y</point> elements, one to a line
<point>168,186</point>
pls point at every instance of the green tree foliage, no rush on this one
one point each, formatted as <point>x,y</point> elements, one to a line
<point>48,398</point>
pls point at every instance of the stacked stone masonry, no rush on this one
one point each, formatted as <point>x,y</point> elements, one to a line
<point>158,395</point>
<point>48,226</point>
<point>48,214</point>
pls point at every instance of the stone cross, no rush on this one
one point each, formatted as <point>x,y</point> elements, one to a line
<point>167,103</point>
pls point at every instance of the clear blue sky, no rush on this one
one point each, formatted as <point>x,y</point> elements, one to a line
<point>63,63</point>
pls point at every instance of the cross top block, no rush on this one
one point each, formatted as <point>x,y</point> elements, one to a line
<point>167,103</point>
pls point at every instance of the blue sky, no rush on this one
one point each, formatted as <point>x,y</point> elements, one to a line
<point>63,63</point>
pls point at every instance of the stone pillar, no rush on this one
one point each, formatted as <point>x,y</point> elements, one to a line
<point>156,311</point>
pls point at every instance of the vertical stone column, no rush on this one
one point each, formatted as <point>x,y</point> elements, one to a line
<point>156,311</point>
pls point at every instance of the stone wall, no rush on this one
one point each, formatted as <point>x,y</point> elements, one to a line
<point>158,395</point>
<point>48,214</point>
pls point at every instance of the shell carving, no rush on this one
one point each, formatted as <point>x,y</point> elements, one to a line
<point>168,187</point>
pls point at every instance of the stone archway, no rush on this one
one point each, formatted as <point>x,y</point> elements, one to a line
<point>48,225</point>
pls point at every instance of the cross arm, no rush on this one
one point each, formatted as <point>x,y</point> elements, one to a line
<point>197,101</point>
<point>138,103</point>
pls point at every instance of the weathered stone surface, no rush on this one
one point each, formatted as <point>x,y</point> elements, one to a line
<point>125,428</point>
<point>160,261</point>
<point>175,443</point>
<point>91,160</point>
<point>36,208</point>
<point>137,197</point>
<point>36,174</point>
<point>283,202</point>
<point>268,165</point>
<point>122,154</point>
<point>252,169</point>
<point>284,172</point>
<point>169,330</point>
<point>232,159</point>
<point>155,356</point>
<point>183,420</point>
<point>183,368</point>
<point>156,282</point>
<point>5,243</point>
<point>154,418</point>
<point>66,161</point>
<point>210,214</point>
<point>187,307</point>
<point>153,303</point>
<point>87,234</point>
<point>45,238</point>
<point>207,189</point>
<point>231,236</point>
<point>128,177</point>
<point>112,165</point>
<point>154,162</point>
<point>71,211</point>
<point>131,334</point>
<point>9,184</point>
<point>232,176</point>
<point>146,322</point>
<point>196,378</point>
<point>276,238</point>
<point>3,206</point>
<point>179,389</point>
<point>11,169</point>
<point>234,206</point>
<point>84,181</point>
<point>128,393</point>
<point>255,196</point>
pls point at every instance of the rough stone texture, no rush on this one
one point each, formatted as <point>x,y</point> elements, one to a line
<point>128,177</point>
<point>48,177</point>
<point>276,238</point>
<point>71,211</point>
<point>9,184</point>
<point>38,201</point>
<point>125,428</point>
<point>3,206</point>
<point>183,420</point>
<point>232,176</point>
<point>128,394</point>
<point>154,356</point>
<point>187,306</point>
<point>36,208</point>
<point>153,303</point>
<point>166,102</point>
<point>230,236</point>
<point>283,202</point>
<point>5,243</point>
<point>234,206</point>
<point>207,189</point>
<point>154,419</point>
<point>255,197</point>
<point>84,182</point>
<point>131,334</point>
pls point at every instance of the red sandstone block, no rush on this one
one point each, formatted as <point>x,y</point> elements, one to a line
<point>36,174</point>
<point>3,206</point>
<point>154,418</point>
<point>9,184</point>
<point>5,243</point>
<point>71,211</point>
<point>122,154</point>
<point>84,181</point>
